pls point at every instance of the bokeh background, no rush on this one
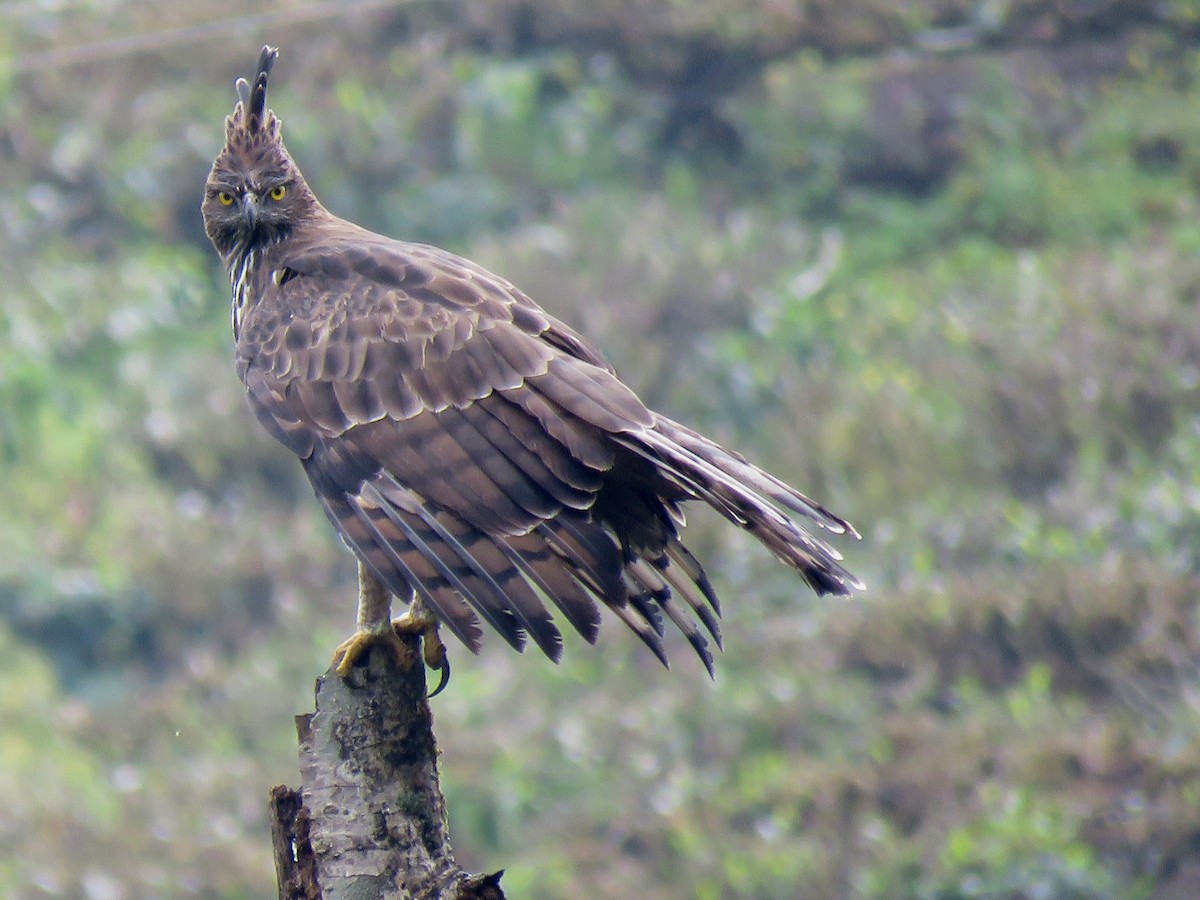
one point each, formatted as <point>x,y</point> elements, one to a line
<point>936,262</point>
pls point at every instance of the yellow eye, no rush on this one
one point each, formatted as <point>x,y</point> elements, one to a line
<point>278,191</point>
<point>226,199</point>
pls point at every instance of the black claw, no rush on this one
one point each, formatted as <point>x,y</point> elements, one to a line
<point>444,673</point>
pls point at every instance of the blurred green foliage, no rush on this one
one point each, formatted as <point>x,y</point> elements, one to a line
<point>952,295</point>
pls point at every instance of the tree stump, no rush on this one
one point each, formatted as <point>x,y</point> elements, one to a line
<point>369,820</point>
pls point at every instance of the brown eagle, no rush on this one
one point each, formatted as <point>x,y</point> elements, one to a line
<point>476,454</point>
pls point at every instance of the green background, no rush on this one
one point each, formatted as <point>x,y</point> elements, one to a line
<point>935,262</point>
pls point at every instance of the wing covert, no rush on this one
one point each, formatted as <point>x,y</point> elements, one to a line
<point>456,435</point>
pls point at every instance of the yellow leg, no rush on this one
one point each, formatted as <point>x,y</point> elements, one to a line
<point>376,626</point>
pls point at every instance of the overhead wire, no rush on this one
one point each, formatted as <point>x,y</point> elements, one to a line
<point>155,41</point>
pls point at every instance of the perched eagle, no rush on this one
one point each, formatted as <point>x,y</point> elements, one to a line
<point>476,454</point>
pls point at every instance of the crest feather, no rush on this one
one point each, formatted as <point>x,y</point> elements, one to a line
<point>251,114</point>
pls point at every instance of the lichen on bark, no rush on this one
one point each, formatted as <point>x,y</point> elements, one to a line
<point>371,821</point>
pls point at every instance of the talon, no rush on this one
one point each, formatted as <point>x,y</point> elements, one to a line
<point>375,626</point>
<point>433,649</point>
<point>436,656</point>
<point>352,649</point>
<point>443,676</point>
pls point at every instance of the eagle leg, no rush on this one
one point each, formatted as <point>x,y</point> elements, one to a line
<point>376,626</point>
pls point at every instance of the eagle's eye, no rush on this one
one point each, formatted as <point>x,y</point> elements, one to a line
<point>225,198</point>
<point>278,192</point>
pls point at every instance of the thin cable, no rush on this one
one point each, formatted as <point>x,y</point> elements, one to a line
<point>134,44</point>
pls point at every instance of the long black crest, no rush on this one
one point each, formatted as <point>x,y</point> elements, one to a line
<point>254,99</point>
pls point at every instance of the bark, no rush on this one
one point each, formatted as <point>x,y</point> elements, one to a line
<point>369,820</point>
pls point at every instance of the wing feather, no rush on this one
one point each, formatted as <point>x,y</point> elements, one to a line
<point>578,482</point>
<point>472,564</point>
<point>590,551</point>
<point>392,567</point>
<point>508,468</point>
<point>554,578</point>
<point>655,592</point>
<point>526,465</point>
<point>474,449</point>
<point>399,400</point>
<point>317,402</point>
<point>409,549</point>
<point>424,453</point>
<point>686,588</point>
<point>489,559</point>
<point>593,395</point>
<point>360,400</point>
<point>589,446</point>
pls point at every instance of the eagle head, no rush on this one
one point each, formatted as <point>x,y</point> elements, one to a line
<point>255,194</point>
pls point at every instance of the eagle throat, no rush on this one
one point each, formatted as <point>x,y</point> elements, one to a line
<point>245,255</point>
<point>242,268</point>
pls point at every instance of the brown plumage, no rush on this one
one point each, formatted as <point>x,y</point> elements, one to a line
<point>472,450</point>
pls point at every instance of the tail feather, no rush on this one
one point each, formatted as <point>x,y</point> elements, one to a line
<point>750,498</point>
<point>736,466</point>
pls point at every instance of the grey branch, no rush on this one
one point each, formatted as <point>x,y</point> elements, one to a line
<point>369,820</point>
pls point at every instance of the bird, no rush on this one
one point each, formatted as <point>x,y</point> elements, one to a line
<point>480,458</point>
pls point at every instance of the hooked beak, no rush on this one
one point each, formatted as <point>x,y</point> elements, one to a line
<point>250,209</point>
